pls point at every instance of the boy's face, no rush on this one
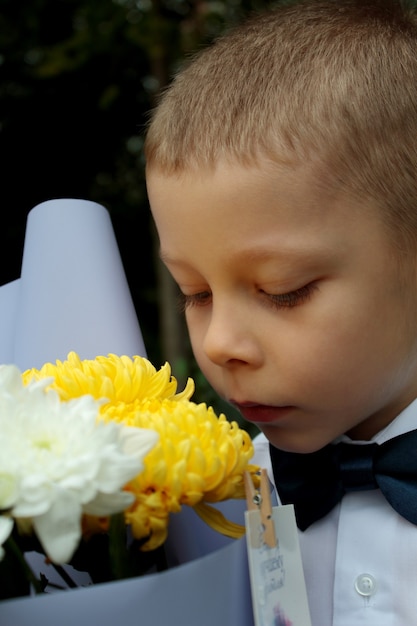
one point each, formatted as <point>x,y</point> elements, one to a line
<point>297,308</point>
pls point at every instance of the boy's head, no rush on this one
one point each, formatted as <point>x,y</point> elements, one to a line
<point>330,82</point>
<point>281,176</point>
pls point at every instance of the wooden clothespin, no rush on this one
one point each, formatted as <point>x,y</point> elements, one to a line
<point>260,500</point>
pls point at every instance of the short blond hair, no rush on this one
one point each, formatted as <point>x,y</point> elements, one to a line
<point>329,81</point>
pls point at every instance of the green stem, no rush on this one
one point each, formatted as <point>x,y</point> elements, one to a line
<point>11,546</point>
<point>117,547</point>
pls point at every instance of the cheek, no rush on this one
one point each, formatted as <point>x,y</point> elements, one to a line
<point>348,360</point>
<point>196,334</point>
<point>328,357</point>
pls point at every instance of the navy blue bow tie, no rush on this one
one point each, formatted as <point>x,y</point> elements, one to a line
<point>316,482</point>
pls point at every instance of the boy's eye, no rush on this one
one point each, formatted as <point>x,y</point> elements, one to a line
<point>292,298</point>
<point>287,300</point>
<point>196,299</point>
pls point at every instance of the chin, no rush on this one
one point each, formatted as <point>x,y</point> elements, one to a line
<point>299,442</point>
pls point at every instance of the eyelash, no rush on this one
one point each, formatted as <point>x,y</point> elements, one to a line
<point>292,298</point>
<point>287,300</point>
<point>187,301</point>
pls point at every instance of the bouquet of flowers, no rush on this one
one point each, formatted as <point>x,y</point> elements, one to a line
<point>96,456</point>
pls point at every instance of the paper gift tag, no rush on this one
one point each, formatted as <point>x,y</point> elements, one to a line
<point>279,593</point>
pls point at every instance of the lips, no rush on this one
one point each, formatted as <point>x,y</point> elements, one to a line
<point>261,413</point>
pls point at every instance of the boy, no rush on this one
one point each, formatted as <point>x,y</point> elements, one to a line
<point>281,170</point>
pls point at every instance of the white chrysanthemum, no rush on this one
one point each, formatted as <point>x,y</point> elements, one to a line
<point>6,527</point>
<point>8,496</point>
<point>58,461</point>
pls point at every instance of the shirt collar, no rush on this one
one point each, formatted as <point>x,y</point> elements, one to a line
<point>403,423</point>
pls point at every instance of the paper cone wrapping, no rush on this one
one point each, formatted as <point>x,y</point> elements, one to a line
<point>211,591</point>
<point>72,293</point>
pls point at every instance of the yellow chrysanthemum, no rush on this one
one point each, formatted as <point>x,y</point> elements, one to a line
<point>200,457</point>
<point>117,378</point>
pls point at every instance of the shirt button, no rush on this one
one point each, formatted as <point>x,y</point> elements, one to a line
<point>365,585</point>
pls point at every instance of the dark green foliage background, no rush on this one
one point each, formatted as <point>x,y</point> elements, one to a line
<point>77,79</point>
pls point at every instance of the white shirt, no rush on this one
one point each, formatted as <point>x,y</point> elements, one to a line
<point>360,561</point>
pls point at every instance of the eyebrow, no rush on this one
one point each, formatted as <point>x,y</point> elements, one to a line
<point>292,254</point>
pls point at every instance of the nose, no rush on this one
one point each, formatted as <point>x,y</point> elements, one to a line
<point>231,338</point>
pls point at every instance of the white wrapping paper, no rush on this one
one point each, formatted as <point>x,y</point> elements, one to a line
<point>72,293</point>
<point>210,591</point>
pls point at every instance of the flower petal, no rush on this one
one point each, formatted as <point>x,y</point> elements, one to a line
<point>6,527</point>
<point>59,529</point>
<point>104,504</point>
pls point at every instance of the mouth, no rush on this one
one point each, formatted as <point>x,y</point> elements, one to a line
<point>261,413</point>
